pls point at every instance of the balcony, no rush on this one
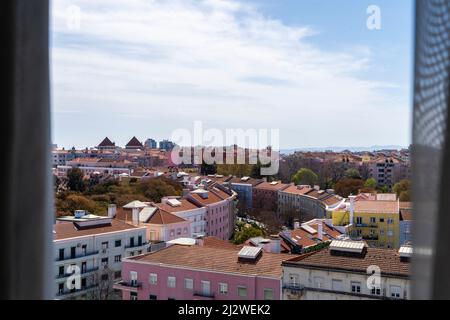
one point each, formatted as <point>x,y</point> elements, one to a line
<point>77,257</point>
<point>128,286</point>
<point>366,225</point>
<point>83,274</point>
<point>66,294</point>
<point>137,246</point>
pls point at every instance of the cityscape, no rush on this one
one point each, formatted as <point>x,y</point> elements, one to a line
<point>132,225</point>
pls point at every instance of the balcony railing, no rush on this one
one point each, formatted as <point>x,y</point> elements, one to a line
<point>63,294</point>
<point>293,287</point>
<point>80,256</point>
<point>366,225</point>
<point>371,237</point>
<point>136,245</point>
<point>83,273</point>
<point>128,286</point>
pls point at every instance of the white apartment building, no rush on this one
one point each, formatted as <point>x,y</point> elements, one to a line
<point>344,271</point>
<point>187,210</point>
<point>92,247</point>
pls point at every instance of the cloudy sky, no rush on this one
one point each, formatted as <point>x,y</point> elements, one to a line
<point>309,68</point>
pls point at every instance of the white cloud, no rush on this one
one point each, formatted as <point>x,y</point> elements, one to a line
<point>165,64</point>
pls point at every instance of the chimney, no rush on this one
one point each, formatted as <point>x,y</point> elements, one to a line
<point>320,230</point>
<point>135,216</point>
<point>200,241</point>
<point>352,208</point>
<point>112,209</point>
<point>296,224</point>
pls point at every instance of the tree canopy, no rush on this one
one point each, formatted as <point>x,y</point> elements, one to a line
<point>305,176</point>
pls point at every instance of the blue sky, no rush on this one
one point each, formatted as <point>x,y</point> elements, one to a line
<point>311,69</point>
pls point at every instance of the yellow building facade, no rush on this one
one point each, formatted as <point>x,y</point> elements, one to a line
<point>376,222</point>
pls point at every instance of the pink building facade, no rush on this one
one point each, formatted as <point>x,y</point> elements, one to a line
<point>219,211</point>
<point>172,274</point>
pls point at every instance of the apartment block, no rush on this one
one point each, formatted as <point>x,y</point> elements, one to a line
<point>348,270</point>
<point>203,273</point>
<point>93,248</point>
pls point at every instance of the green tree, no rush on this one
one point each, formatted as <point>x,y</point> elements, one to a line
<point>155,189</point>
<point>346,186</point>
<point>305,176</point>
<point>370,183</point>
<point>246,233</point>
<point>403,190</point>
<point>75,180</point>
<point>352,173</point>
<point>72,202</point>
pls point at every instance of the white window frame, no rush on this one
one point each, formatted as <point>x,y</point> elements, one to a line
<point>188,284</point>
<point>239,292</point>
<point>153,278</point>
<point>171,282</point>
<point>223,288</point>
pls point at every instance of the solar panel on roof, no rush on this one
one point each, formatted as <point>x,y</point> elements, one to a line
<point>347,246</point>
<point>308,229</point>
<point>249,252</point>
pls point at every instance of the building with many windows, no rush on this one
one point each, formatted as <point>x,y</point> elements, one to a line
<point>348,270</point>
<point>196,272</point>
<point>375,221</point>
<point>92,247</point>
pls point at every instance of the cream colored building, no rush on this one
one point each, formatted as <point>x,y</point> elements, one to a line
<point>344,272</point>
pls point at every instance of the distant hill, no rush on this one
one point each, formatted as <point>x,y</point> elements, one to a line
<point>340,149</point>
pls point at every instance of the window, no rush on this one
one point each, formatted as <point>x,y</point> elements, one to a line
<point>294,280</point>
<point>61,254</point>
<point>153,278</point>
<point>117,258</point>
<point>188,284</point>
<point>61,288</point>
<point>152,297</point>
<point>104,245</point>
<point>105,261</point>
<point>223,288</point>
<point>381,219</point>
<point>356,287</point>
<point>390,233</point>
<point>268,294</point>
<point>105,277</point>
<point>318,282</point>
<point>171,282</point>
<point>395,291</point>
<point>118,243</point>
<point>359,220</point>
<point>133,295</point>
<point>376,291</point>
<point>73,252</point>
<point>242,291</point>
<point>337,285</point>
<point>206,288</point>
<point>61,270</point>
<point>172,233</point>
<point>373,220</point>
<point>390,221</point>
<point>117,274</point>
<point>133,278</point>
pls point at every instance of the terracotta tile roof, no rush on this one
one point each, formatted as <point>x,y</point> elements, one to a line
<point>406,214</point>
<point>405,205</point>
<point>305,239</point>
<point>298,190</point>
<point>106,143</point>
<point>186,205</point>
<point>377,206</point>
<point>213,197</point>
<point>250,181</point>
<point>387,259</point>
<point>67,230</point>
<point>215,259</point>
<point>270,186</point>
<point>134,142</point>
<point>214,242</point>
<point>163,217</point>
